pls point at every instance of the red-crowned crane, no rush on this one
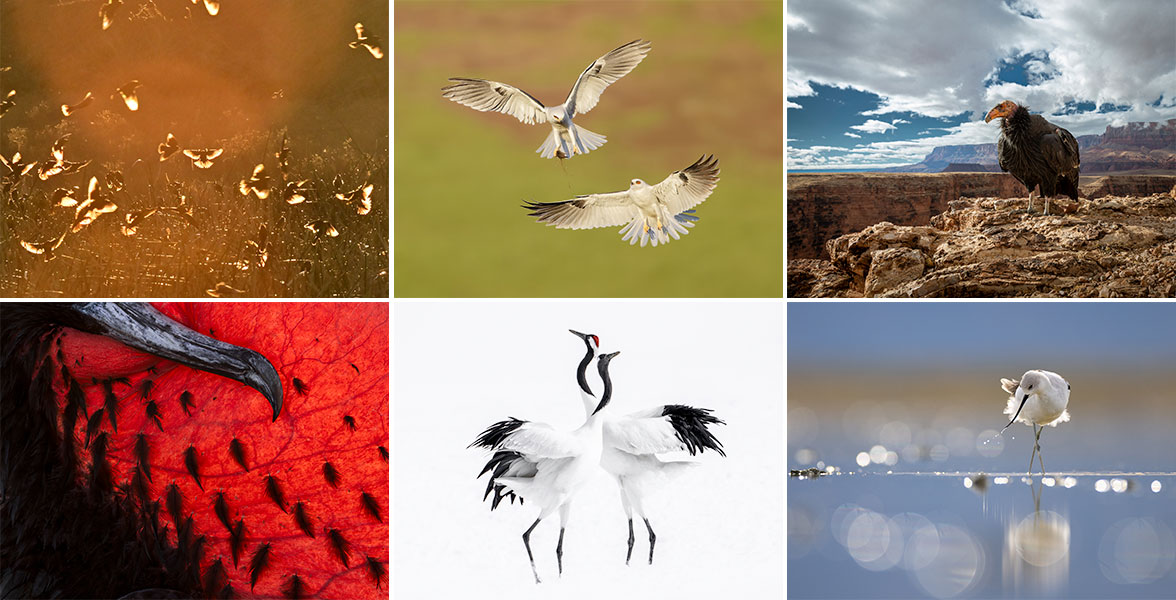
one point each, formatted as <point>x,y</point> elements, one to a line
<point>632,443</point>
<point>549,467</point>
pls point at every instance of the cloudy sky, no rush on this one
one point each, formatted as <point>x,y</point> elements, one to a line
<point>875,84</point>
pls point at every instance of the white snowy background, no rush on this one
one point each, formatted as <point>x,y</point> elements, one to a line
<point>459,366</point>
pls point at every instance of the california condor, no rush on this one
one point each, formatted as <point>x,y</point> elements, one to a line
<point>1036,152</point>
<point>97,502</point>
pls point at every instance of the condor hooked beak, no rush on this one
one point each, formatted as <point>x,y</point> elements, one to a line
<point>1004,109</point>
<point>1018,413</point>
<point>140,326</point>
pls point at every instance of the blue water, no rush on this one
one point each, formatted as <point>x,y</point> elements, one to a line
<point>875,535</point>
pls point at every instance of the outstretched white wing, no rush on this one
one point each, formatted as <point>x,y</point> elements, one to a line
<point>669,428</point>
<point>484,95</point>
<point>685,189</point>
<point>602,73</point>
<point>586,212</point>
<point>538,440</point>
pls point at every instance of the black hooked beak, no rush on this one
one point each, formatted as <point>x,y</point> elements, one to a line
<point>140,326</point>
<point>1023,399</point>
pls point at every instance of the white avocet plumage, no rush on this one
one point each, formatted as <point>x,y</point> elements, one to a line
<point>1038,399</point>
<point>548,467</point>
<point>632,442</point>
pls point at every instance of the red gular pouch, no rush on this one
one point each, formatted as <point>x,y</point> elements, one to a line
<point>190,480</point>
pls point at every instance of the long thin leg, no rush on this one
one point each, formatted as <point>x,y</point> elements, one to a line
<point>1037,444</point>
<point>563,522</point>
<point>1034,454</point>
<point>628,513</point>
<point>1047,205</point>
<point>652,540</point>
<point>629,554</point>
<point>527,543</point>
<point>1030,209</point>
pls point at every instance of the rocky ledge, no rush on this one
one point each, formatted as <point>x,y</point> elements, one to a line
<point>1113,246</point>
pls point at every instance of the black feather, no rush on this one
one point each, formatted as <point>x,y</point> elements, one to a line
<point>350,421</point>
<point>215,577</point>
<point>101,478</point>
<point>384,453</point>
<point>175,503</point>
<point>139,487</point>
<point>221,508</point>
<point>690,425</point>
<point>143,454</point>
<point>258,564</point>
<point>339,546</point>
<point>496,434</point>
<point>111,403</point>
<point>186,402</point>
<point>331,474</point>
<point>237,540</point>
<point>354,367</point>
<point>93,425</point>
<point>370,506</point>
<point>377,570</point>
<point>145,388</point>
<point>237,450</point>
<point>302,519</point>
<point>294,588</point>
<point>273,489</point>
<point>154,414</point>
<point>192,465</point>
<point>498,465</point>
<point>301,387</point>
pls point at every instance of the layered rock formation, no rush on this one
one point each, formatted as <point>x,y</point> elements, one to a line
<point>1113,246</point>
<point>1133,147</point>
<point>824,206</point>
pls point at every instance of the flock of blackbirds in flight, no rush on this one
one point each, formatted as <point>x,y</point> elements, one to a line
<point>99,197</point>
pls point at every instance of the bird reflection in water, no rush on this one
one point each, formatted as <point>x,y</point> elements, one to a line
<point>1036,554</point>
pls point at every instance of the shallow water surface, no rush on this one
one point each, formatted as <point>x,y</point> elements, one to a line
<point>954,534</point>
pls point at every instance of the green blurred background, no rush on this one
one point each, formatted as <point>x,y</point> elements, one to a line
<point>712,84</point>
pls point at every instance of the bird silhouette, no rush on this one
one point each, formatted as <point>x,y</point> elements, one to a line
<point>115,181</point>
<point>130,94</point>
<point>8,102</point>
<point>259,183</point>
<point>212,6</point>
<point>283,156</point>
<point>95,205</point>
<point>65,197</point>
<point>202,158</point>
<point>295,192</point>
<point>16,168</point>
<point>222,290</point>
<point>259,247</point>
<point>321,229</point>
<point>107,11</point>
<point>371,42</point>
<point>169,148</point>
<point>44,248</point>
<point>361,195</point>
<point>69,109</point>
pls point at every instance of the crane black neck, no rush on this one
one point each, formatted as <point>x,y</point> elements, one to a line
<point>607,395</point>
<point>581,371</point>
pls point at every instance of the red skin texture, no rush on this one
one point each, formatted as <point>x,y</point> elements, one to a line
<point>317,343</point>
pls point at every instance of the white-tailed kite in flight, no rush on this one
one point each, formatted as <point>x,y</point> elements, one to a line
<point>650,213</point>
<point>566,139</point>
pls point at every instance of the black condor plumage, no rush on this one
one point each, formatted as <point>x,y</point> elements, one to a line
<point>1036,152</point>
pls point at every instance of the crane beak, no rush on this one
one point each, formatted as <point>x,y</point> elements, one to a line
<point>140,326</point>
<point>582,335</point>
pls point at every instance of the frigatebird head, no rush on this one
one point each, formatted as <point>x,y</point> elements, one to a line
<point>142,327</point>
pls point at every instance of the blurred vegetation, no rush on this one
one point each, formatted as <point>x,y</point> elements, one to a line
<point>242,80</point>
<point>712,83</point>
